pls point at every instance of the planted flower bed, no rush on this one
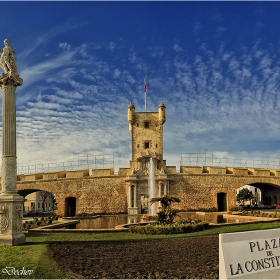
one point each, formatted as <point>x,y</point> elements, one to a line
<point>166,223</point>
<point>174,228</point>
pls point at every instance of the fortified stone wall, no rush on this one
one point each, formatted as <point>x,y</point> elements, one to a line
<point>94,194</point>
<point>105,192</point>
<point>198,187</point>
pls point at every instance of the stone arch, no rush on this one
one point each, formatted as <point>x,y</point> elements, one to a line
<point>43,201</point>
<point>26,192</point>
<point>270,193</point>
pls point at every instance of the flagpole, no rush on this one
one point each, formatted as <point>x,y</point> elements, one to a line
<point>145,94</point>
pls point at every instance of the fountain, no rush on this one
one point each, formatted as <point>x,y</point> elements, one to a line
<point>152,187</point>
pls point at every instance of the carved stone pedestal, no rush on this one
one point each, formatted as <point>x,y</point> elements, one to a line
<point>11,207</point>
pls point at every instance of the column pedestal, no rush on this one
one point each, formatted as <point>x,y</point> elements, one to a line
<point>11,220</point>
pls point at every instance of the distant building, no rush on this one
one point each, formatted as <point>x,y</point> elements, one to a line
<point>34,202</point>
<point>256,192</point>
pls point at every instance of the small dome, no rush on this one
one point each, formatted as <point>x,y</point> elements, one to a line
<point>130,106</point>
<point>161,105</point>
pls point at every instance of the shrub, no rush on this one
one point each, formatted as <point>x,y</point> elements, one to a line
<point>211,209</point>
<point>175,228</point>
<point>36,222</point>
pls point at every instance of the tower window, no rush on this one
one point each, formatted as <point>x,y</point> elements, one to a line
<point>147,145</point>
<point>146,124</point>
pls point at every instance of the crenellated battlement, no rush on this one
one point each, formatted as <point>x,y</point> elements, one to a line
<point>238,171</point>
<point>101,172</point>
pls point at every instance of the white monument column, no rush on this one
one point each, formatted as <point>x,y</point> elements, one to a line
<point>11,204</point>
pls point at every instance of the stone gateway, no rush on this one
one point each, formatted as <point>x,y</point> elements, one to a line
<point>198,187</point>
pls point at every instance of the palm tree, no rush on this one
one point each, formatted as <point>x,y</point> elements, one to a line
<point>167,214</point>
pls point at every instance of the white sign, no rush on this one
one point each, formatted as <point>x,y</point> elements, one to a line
<point>250,255</point>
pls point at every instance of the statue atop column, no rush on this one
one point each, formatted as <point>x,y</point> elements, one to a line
<point>7,63</point>
<point>11,203</point>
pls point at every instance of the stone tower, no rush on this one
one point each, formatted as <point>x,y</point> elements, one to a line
<point>146,130</point>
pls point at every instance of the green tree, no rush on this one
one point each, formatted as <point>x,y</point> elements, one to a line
<point>167,214</point>
<point>244,195</point>
<point>44,195</point>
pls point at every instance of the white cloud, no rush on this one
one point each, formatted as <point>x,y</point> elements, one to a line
<point>216,99</point>
<point>197,26</point>
<point>112,46</point>
<point>65,46</point>
<point>177,48</point>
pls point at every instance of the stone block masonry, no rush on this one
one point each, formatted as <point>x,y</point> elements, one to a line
<point>104,193</point>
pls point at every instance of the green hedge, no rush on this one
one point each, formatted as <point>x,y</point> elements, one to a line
<point>168,228</point>
<point>258,213</point>
<point>212,209</point>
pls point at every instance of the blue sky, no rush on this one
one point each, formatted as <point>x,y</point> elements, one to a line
<point>215,66</point>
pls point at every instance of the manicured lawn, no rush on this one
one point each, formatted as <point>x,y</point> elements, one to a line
<point>35,255</point>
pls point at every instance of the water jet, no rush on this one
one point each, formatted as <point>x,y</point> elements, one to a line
<point>151,186</point>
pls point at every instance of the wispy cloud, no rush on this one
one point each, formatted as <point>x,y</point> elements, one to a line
<point>43,39</point>
<point>218,96</point>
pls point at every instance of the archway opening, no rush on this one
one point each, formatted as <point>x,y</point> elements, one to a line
<point>265,195</point>
<point>38,202</point>
<point>248,196</point>
<point>222,201</point>
<point>70,207</point>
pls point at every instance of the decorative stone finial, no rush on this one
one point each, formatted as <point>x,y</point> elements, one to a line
<point>7,63</point>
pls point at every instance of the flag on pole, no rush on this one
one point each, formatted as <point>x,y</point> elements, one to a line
<point>145,85</point>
